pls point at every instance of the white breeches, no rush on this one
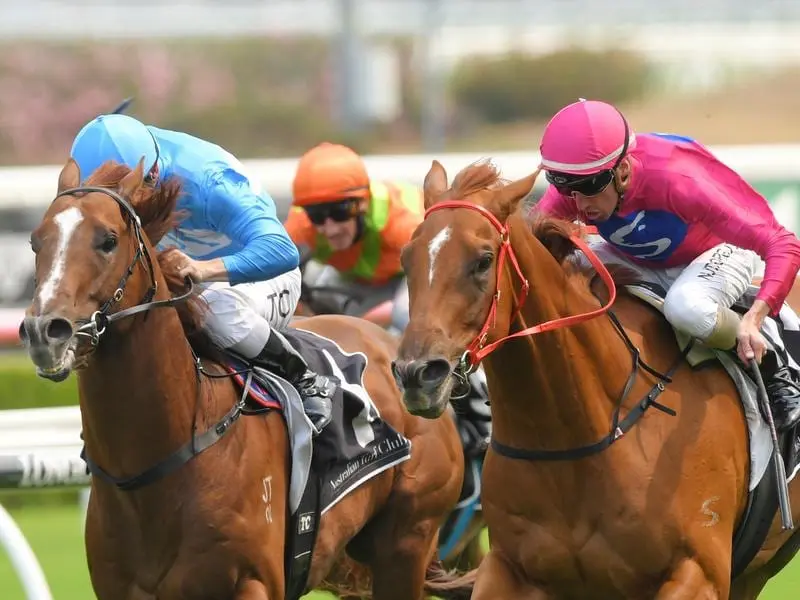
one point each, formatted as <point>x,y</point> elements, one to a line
<point>716,278</point>
<point>240,316</point>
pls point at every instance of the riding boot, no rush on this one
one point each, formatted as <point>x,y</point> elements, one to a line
<point>316,391</point>
<point>783,390</point>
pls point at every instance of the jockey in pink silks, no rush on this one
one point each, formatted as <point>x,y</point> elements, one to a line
<point>666,207</point>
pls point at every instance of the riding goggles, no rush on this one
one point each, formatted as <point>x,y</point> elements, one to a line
<point>339,212</point>
<point>584,185</point>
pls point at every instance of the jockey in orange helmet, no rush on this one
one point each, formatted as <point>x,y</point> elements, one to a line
<point>357,227</point>
<point>353,224</point>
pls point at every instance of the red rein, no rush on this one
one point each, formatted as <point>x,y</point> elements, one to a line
<point>478,350</point>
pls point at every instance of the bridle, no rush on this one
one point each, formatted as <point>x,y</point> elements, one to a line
<point>477,350</point>
<point>94,327</point>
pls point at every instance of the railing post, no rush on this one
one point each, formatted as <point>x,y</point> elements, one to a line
<point>23,559</point>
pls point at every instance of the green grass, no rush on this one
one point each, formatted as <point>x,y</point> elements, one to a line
<point>55,533</point>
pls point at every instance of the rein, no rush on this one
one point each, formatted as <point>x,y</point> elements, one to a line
<point>478,349</point>
<point>94,327</point>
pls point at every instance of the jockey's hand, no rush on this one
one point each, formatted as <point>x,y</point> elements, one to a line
<point>751,343</point>
<point>176,261</point>
<point>199,270</point>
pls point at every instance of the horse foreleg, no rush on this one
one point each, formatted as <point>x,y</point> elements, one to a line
<point>496,580</point>
<point>399,574</point>
<point>690,582</point>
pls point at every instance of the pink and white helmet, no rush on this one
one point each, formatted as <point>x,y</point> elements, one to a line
<point>584,138</point>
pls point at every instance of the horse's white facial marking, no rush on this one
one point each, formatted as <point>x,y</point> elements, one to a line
<point>67,222</point>
<point>433,249</point>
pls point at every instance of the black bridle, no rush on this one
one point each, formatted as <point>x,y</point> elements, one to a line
<point>94,327</point>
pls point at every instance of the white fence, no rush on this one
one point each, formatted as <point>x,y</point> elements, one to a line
<point>36,185</point>
<point>39,447</point>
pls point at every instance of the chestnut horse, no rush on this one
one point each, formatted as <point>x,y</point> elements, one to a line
<point>650,514</point>
<point>212,525</point>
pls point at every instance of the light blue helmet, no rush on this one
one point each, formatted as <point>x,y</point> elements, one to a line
<point>113,137</point>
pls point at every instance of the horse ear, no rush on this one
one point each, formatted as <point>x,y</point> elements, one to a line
<point>509,196</point>
<point>70,176</point>
<point>435,184</point>
<point>132,181</point>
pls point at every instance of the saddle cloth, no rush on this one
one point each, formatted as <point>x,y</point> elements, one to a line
<point>354,447</point>
<point>759,435</point>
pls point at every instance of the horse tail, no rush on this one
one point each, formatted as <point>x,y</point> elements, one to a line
<point>449,585</point>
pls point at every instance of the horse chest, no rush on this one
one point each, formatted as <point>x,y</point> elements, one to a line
<point>578,561</point>
<point>146,561</point>
<point>604,548</point>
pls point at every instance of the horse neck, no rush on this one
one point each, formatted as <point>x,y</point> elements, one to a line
<point>139,391</point>
<point>571,376</point>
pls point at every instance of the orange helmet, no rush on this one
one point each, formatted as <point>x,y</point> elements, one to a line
<point>329,173</point>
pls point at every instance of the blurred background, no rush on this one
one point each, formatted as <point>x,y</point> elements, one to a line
<point>398,80</point>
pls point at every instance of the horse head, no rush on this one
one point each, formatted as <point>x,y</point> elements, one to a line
<point>94,252</point>
<point>454,263</point>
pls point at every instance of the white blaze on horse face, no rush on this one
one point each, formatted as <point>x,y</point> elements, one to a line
<point>67,222</point>
<point>433,249</point>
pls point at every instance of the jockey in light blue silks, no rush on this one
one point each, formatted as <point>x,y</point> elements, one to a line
<point>229,240</point>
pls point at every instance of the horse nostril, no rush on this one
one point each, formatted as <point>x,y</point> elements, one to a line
<point>433,372</point>
<point>421,373</point>
<point>23,333</point>
<point>58,330</point>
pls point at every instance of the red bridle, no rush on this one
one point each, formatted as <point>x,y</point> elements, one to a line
<point>478,350</point>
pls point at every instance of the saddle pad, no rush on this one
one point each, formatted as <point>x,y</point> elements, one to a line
<point>355,446</point>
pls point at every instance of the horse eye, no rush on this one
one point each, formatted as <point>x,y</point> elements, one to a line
<point>484,263</point>
<point>109,244</point>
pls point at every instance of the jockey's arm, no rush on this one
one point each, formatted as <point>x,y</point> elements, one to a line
<point>737,214</point>
<point>234,209</point>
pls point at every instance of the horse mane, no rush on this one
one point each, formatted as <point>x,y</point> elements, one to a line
<point>476,177</point>
<point>554,234</point>
<point>157,212</point>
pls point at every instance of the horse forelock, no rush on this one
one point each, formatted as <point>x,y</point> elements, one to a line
<point>474,178</point>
